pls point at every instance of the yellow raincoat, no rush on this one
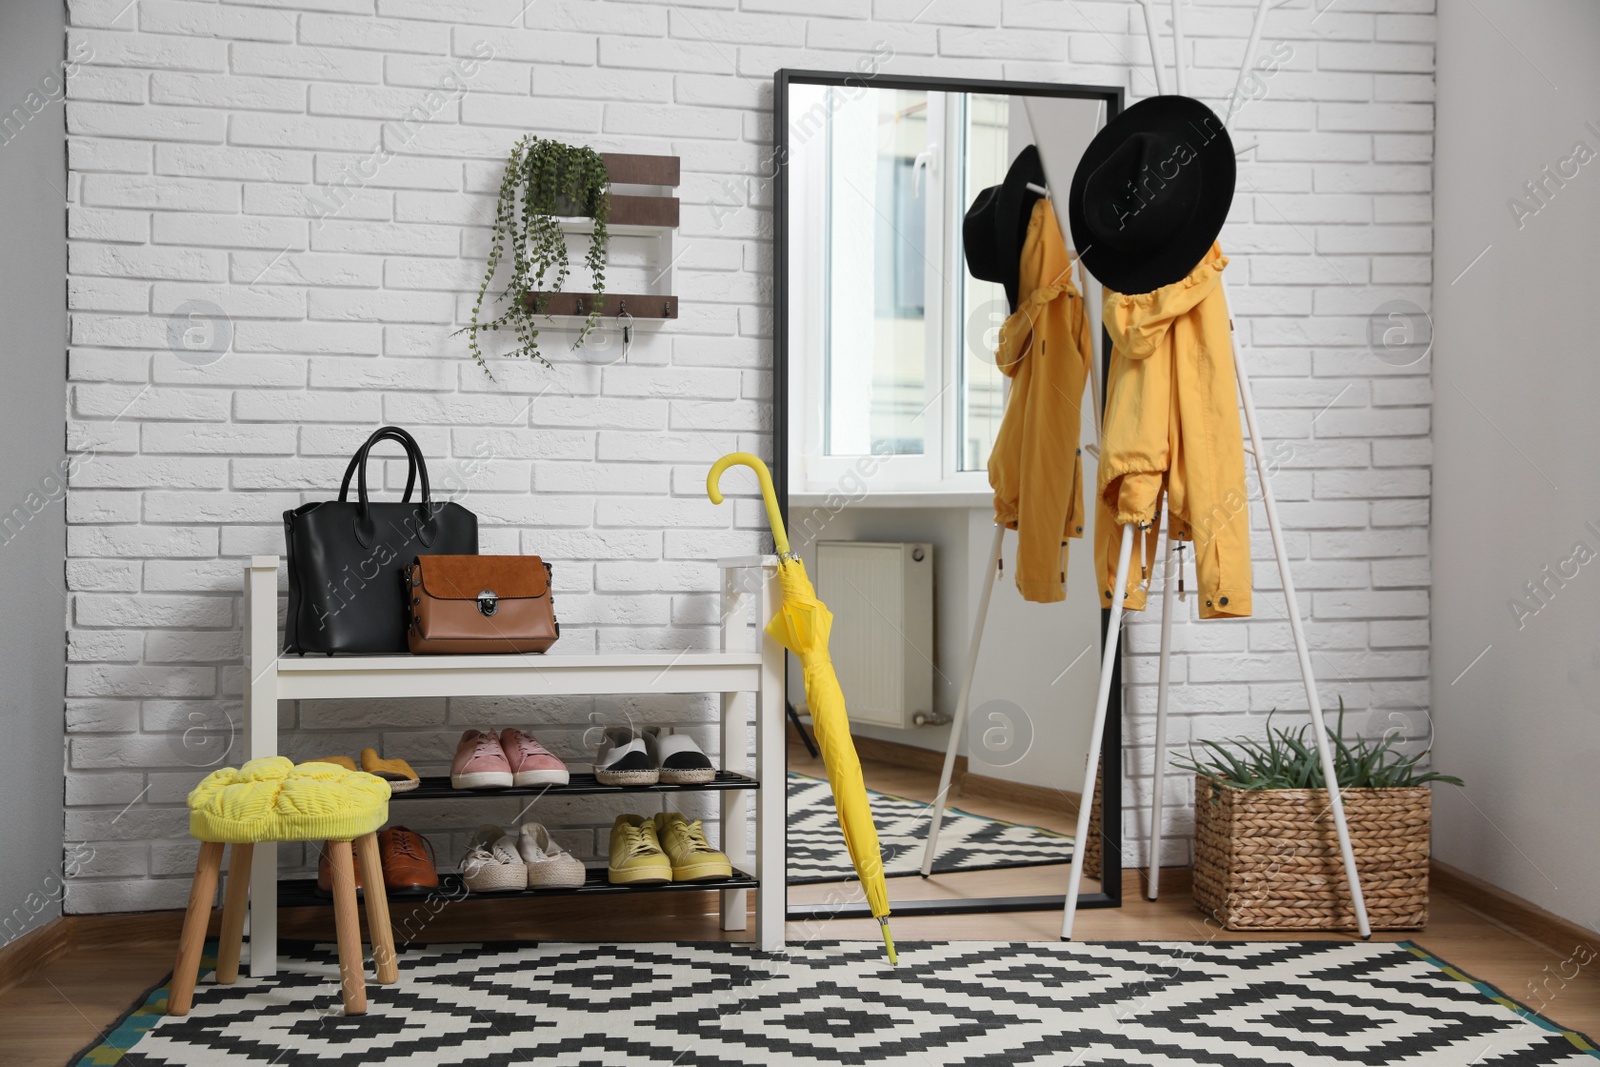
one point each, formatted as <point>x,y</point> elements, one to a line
<point>1172,420</point>
<point>1045,350</point>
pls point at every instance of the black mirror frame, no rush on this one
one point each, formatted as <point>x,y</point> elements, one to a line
<point>1110,895</point>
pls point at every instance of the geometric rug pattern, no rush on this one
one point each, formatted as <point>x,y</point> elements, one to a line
<point>1240,1004</point>
<point>817,853</point>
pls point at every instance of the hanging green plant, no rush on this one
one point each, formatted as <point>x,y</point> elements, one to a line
<point>554,180</point>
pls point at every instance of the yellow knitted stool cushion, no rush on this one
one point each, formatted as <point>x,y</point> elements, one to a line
<point>271,799</point>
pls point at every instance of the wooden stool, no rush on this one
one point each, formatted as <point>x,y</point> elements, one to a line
<point>346,918</point>
<point>239,807</point>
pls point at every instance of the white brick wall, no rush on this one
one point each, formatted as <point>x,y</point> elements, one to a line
<point>202,135</point>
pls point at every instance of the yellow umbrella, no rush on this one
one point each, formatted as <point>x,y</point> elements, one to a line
<point>802,625</point>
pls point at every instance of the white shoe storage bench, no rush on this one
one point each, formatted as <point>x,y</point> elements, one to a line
<point>748,661</point>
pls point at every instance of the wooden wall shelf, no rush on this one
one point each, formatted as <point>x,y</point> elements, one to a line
<point>639,305</point>
<point>643,210</point>
<point>632,214</point>
<point>630,169</point>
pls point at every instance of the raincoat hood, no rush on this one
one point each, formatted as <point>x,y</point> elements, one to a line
<point>1140,322</point>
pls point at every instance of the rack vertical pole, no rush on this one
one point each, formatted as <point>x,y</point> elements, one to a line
<point>772,896</point>
<point>1262,7</point>
<point>1156,802</point>
<point>1110,866</point>
<point>733,903</point>
<point>958,724</point>
<point>261,652</point>
<point>1155,50</point>
<point>1179,68</point>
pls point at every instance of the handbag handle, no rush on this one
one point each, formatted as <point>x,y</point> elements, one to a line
<point>387,433</point>
<point>365,529</point>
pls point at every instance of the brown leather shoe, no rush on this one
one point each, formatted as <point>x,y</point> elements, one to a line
<point>325,871</point>
<point>407,859</point>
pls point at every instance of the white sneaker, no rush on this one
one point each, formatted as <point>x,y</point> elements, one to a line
<point>549,865</point>
<point>492,864</point>
<point>677,758</point>
<point>623,760</point>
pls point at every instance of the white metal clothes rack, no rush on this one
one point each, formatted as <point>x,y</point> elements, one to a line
<point>1111,865</point>
<point>1291,601</point>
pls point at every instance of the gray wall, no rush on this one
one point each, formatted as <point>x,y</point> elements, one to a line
<point>33,331</point>
<point>1517,457</point>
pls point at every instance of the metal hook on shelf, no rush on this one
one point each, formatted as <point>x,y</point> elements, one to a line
<point>627,328</point>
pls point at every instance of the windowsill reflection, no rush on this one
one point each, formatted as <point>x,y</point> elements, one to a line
<point>898,498</point>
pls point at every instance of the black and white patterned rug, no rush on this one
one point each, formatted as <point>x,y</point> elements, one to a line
<point>967,842</point>
<point>1239,1004</point>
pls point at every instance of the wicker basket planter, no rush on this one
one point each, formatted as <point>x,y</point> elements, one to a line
<point>1268,859</point>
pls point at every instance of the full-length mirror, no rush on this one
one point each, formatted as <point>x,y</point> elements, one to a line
<point>890,402</point>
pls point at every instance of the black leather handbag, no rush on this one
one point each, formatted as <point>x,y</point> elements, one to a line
<point>346,559</point>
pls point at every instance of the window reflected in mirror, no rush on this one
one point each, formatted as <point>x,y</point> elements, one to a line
<point>990,149</point>
<point>892,338</point>
<point>879,160</point>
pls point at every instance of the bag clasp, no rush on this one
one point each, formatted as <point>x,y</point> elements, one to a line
<point>488,602</point>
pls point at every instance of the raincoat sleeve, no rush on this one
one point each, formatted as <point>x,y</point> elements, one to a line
<point>1050,509</point>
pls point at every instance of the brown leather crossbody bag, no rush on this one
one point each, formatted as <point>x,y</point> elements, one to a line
<point>465,604</point>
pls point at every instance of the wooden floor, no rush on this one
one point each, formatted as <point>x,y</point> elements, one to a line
<point>70,1001</point>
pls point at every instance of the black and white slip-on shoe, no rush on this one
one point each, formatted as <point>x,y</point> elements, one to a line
<point>623,760</point>
<point>676,756</point>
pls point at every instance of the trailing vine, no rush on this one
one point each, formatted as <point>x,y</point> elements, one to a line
<point>554,179</point>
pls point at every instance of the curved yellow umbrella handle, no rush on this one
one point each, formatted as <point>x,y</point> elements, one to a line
<point>768,493</point>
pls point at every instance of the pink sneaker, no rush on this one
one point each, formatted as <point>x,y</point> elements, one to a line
<point>531,763</point>
<point>480,762</point>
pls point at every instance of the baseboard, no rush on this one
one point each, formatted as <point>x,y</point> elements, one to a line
<point>1060,801</point>
<point>25,955</point>
<point>22,958</point>
<point>962,781</point>
<point>111,930</point>
<point>909,756</point>
<point>1510,912</point>
<point>1175,882</point>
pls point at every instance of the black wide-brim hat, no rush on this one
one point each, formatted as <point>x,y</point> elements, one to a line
<point>1151,193</point>
<point>997,223</point>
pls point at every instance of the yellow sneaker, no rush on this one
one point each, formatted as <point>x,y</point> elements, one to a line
<point>693,859</point>
<point>636,856</point>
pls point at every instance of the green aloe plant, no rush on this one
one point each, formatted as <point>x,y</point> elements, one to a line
<point>1289,760</point>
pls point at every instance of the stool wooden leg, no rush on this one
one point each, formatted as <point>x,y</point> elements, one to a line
<point>235,898</point>
<point>347,925</point>
<point>202,894</point>
<point>383,957</point>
